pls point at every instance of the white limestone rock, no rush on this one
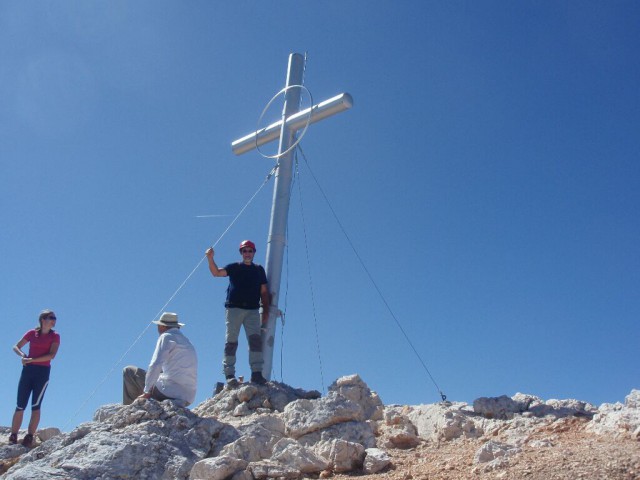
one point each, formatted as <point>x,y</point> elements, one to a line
<point>217,468</point>
<point>492,450</point>
<point>355,432</point>
<point>45,434</point>
<point>343,456</point>
<point>305,416</point>
<point>396,430</point>
<point>289,452</point>
<point>501,407</point>
<point>356,390</point>
<point>564,408</point>
<point>618,419</point>
<point>103,413</point>
<point>375,460</point>
<point>147,439</point>
<point>255,443</point>
<point>445,421</point>
<point>269,398</point>
<point>269,469</point>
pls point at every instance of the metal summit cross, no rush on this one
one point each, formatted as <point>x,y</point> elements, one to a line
<point>286,129</point>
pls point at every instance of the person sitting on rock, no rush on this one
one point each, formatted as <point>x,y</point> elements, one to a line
<point>173,369</point>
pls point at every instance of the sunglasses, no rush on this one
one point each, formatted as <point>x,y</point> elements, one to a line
<point>247,250</point>
<point>51,317</point>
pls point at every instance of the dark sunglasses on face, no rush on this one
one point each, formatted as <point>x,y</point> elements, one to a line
<point>51,317</point>
<point>247,250</point>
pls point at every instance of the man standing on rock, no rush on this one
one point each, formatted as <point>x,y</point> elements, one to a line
<point>247,288</point>
<point>173,369</point>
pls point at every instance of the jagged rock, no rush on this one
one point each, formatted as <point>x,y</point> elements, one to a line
<point>11,451</point>
<point>242,475</point>
<point>45,434</point>
<point>255,442</point>
<point>355,432</point>
<point>289,452</point>
<point>633,400</point>
<point>375,460</point>
<point>444,421</point>
<point>618,419</point>
<point>306,416</point>
<point>217,468</point>
<point>564,408</point>
<point>269,469</point>
<point>397,431</point>
<point>501,407</point>
<point>492,450</point>
<point>353,388</point>
<point>505,408</point>
<point>103,413</point>
<point>269,398</point>
<point>281,434</point>
<point>147,439</point>
<point>526,401</point>
<point>343,456</point>
<point>242,410</point>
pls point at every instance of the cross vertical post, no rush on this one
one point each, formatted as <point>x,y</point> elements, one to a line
<point>292,121</point>
<point>280,208</point>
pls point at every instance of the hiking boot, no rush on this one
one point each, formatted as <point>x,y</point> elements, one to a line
<point>27,441</point>
<point>231,381</point>
<point>13,439</point>
<point>256,377</point>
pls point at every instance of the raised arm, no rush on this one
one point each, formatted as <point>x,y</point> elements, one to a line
<point>213,268</point>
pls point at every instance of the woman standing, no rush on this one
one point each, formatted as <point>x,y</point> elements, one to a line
<point>43,345</point>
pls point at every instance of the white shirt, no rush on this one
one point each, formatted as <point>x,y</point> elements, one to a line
<point>174,367</point>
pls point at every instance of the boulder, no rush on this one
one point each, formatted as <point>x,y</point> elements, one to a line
<point>375,460</point>
<point>618,419</point>
<point>152,439</point>
<point>343,456</point>
<point>445,421</point>
<point>355,389</point>
<point>289,452</point>
<point>501,407</point>
<point>305,416</point>
<point>217,468</point>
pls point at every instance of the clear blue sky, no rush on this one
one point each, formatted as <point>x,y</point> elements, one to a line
<point>488,176</point>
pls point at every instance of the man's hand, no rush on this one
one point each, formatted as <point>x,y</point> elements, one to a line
<point>146,396</point>
<point>209,253</point>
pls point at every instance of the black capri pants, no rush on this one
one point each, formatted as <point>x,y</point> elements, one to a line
<point>33,380</point>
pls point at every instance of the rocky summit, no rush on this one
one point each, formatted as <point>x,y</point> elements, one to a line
<point>275,431</point>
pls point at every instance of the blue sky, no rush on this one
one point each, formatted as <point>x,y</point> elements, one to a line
<point>487,176</point>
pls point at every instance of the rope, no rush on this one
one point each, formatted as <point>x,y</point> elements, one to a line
<point>313,301</point>
<point>424,366</point>
<point>266,180</point>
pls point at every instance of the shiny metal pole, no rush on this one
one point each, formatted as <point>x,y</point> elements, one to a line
<point>280,207</point>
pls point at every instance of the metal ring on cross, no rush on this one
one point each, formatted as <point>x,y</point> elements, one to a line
<point>304,130</point>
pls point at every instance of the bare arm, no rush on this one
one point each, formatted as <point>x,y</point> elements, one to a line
<point>17,348</point>
<point>213,268</point>
<point>43,358</point>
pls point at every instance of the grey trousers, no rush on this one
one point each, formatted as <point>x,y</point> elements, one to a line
<point>133,385</point>
<point>250,319</point>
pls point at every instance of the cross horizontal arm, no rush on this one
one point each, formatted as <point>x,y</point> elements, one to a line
<point>295,122</point>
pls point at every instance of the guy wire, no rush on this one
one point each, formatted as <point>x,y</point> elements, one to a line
<point>306,249</point>
<point>266,180</point>
<point>344,232</point>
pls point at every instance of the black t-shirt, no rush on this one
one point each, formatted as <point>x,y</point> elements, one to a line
<point>244,285</point>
